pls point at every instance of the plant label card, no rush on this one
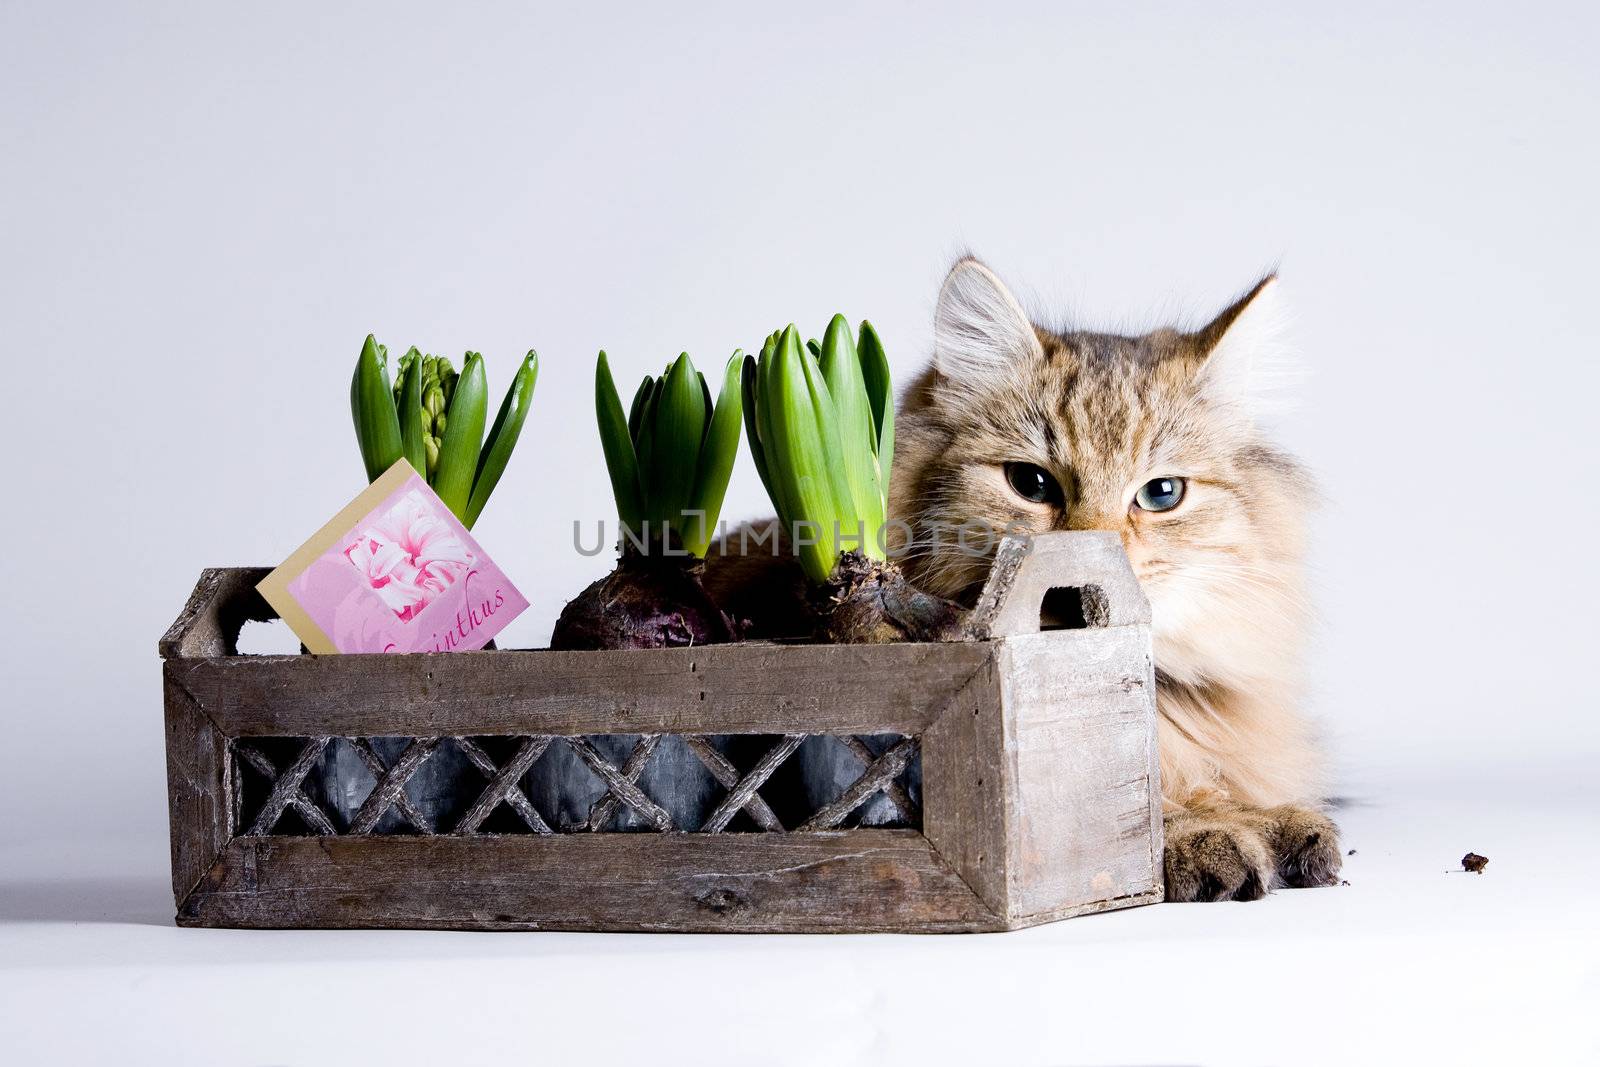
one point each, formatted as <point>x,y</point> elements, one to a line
<point>395,571</point>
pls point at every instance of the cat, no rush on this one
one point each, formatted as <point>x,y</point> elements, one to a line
<point>1157,438</point>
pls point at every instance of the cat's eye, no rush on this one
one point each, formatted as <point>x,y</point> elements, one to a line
<point>1033,483</point>
<point>1160,494</point>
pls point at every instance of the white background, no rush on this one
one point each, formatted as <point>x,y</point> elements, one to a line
<point>203,209</point>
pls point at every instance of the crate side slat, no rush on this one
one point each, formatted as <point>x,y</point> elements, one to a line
<point>846,881</point>
<point>1083,805</point>
<point>715,689</point>
<point>964,776</point>
<point>198,788</point>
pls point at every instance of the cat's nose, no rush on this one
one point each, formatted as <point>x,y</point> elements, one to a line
<point>1088,517</point>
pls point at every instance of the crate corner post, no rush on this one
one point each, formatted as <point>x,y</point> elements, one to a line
<point>1057,735</point>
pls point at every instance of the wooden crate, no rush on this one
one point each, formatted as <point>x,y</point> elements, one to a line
<point>1038,796</point>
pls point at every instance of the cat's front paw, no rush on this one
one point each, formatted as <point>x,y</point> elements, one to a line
<point>1212,855</point>
<point>1306,843</point>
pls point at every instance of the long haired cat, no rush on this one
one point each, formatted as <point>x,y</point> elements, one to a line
<point>1157,438</point>
<point>1154,437</point>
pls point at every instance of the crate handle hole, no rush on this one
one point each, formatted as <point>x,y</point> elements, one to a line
<point>266,638</point>
<point>1074,607</point>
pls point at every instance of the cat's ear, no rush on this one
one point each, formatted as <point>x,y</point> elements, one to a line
<point>1243,353</point>
<point>979,330</point>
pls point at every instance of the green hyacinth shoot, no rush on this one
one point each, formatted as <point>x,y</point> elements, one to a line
<point>820,419</point>
<point>671,455</point>
<point>435,418</point>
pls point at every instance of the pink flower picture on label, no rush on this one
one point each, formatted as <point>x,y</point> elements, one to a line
<point>395,571</point>
<point>410,556</point>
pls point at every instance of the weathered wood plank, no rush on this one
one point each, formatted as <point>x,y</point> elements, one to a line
<point>716,689</point>
<point>1040,780</point>
<point>1083,796</point>
<point>857,880</point>
<point>199,789</point>
<point>964,772</point>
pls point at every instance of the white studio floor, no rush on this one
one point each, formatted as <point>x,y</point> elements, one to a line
<point>1406,964</point>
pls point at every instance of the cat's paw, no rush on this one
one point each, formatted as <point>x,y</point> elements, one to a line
<point>1217,855</point>
<point>1306,844</point>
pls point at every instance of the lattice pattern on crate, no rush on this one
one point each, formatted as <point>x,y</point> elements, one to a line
<point>331,786</point>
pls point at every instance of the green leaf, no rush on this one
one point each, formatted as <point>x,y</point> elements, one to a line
<point>680,420</point>
<point>644,449</point>
<point>372,410</point>
<point>880,391</point>
<point>709,407</point>
<point>717,453</point>
<point>636,411</point>
<point>857,455</point>
<point>766,370</point>
<point>503,436</point>
<point>854,526</point>
<point>413,434</point>
<point>748,388</point>
<point>617,443</point>
<point>803,452</point>
<point>463,437</point>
